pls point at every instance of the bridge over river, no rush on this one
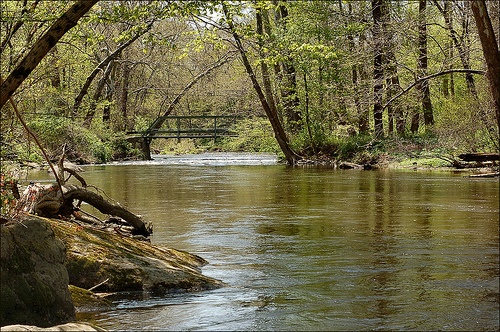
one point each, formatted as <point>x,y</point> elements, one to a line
<point>183,126</point>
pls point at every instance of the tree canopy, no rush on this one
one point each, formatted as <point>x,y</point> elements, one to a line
<point>321,73</point>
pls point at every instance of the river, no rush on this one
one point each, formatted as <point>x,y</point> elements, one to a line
<point>313,248</point>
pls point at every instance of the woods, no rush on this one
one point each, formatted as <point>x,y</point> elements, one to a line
<point>322,77</point>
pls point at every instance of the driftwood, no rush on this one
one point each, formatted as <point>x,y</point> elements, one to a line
<point>485,175</point>
<point>48,201</point>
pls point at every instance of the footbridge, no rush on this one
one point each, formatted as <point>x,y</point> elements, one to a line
<point>183,126</point>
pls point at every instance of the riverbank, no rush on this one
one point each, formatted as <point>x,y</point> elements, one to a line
<point>40,257</point>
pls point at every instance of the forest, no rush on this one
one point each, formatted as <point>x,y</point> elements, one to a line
<point>349,80</point>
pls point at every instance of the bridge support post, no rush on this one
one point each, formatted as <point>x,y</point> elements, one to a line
<point>146,148</point>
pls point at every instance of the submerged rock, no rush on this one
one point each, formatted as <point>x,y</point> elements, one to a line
<point>33,279</point>
<point>123,264</point>
<point>86,301</point>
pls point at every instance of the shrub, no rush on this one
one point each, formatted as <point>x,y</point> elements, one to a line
<point>81,144</point>
<point>256,135</point>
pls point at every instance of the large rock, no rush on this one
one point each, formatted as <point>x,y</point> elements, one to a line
<point>33,278</point>
<point>94,256</point>
<point>80,327</point>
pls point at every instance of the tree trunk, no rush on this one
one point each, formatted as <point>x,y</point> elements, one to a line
<point>288,81</point>
<point>97,95</point>
<point>423,86</point>
<point>378,71</point>
<point>396,121</point>
<point>490,51</point>
<point>415,121</point>
<point>47,201</point>
<point>279,132</point>
<point>263,65</point>
<point>447,83</point>
<point>42,46</point>
<point>461,49</point>
<point>124,94</point>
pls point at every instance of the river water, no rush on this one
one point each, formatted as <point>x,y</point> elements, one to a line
<point>313,248</point>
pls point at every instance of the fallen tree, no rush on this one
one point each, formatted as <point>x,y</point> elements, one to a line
<point>54,201</point>
<point>57,200</point>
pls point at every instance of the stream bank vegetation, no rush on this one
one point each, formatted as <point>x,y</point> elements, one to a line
<point>351,84</point>
<point>368,83</point>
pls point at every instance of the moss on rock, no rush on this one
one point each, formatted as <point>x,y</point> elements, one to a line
<point>93,256</point>
<point>85,300</point>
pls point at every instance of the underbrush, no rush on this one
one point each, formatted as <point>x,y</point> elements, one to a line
<point>96,145</point>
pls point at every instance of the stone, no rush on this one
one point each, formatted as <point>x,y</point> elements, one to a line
<point>81,327</point>
<point>33,278</point>
<point>87,301</point>
<point>124,264</point>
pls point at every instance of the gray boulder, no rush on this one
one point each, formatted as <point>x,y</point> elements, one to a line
<point>33,278</point>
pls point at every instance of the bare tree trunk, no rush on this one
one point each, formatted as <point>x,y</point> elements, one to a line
<point>42,46</point>
<point>279,133</point>
<point>378,71</point>
<point>490,51</point>
<point>288,81</point>
<point>423,86</point>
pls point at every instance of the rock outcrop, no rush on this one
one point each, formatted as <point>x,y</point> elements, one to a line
<point>33,278</point>
<point>124,264</point>
<point>41,257</point>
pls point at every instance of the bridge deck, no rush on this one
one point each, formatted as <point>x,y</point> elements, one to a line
<point>184,126</point>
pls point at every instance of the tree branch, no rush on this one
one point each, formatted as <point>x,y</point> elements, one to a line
<point>100,67</point>
<point>449,71</point>
<point>42,46</point>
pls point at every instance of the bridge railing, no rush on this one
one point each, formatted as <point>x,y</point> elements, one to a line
<point>190,126</point>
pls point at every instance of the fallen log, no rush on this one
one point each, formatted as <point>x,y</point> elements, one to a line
<point>48,201</point>
<point>72,192</point>
<point>479,156</point>
<point>485,175</point>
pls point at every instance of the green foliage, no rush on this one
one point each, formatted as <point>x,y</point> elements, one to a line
<point>81,144</point>
<point>255,135</point>
<point>359,148</point>
<point>324,43</point>
<point>464,124</point>
<point>123,149</point>
<point>7,200</point>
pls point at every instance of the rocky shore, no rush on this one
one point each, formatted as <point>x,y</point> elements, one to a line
<point>40,257</point>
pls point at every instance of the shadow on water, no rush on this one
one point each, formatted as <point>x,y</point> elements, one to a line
<point>314,248</point>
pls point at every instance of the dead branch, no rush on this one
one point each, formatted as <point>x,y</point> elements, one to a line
<point>48,201</point>
<point>422,79</point>
<point>74,192</point>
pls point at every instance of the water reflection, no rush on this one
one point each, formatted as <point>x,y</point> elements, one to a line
<point>317,249</point>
